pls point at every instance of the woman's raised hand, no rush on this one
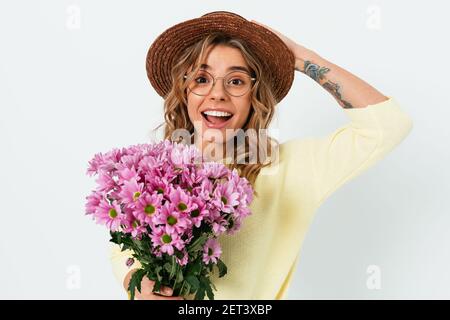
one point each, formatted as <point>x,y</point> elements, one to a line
<point>300,52</point>
<point>147,290</point>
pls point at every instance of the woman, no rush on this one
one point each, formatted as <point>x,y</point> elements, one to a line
<point>221,73</point>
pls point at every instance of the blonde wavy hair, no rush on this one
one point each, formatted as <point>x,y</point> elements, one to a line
<point>261,112</point>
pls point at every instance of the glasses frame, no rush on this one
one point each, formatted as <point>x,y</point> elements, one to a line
<point>252,79</point>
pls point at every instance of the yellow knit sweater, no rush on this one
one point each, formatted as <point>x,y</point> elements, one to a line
<point>262,257</point>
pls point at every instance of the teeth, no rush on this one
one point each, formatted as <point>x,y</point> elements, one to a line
<point>217,113</point>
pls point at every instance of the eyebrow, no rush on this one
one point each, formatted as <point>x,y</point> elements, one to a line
<point>232,68</point>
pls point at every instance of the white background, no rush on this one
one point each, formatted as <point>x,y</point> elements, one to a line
<point>73,83</point>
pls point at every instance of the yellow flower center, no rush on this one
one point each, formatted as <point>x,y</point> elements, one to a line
<point>112,213</point>
<point>166,238</point>
<point>136,195</point>
<point>171,220</point>
<point>149,209</point>
<point>224,200</point>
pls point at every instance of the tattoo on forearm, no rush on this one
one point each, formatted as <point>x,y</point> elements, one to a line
<point>314,71</point>
<point>317,73</point>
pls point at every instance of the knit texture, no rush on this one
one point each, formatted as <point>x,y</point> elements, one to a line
<point>263,256</point>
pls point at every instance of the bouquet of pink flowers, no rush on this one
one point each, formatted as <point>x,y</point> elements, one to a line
<point>168,206</point>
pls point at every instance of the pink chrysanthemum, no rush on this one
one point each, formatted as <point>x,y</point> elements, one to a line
<point>214,170</point>
<point>211,251</point>
<point>166,241</point>
<point>109,214</point>
<point>181,199</point>
<point>105,182</point>
<point>131,191</point>
<point>132,225</point>
<point>182,155</point>
<point>147,207</point>
<point>174,220</point>
<point>226,197</point>
<point>183,261</point>
<point>204,190</point>
<point>129,262</point>
<point>93,200</point>
<point>104,162</point>
<point>164,195</point>
<point>199,211</point>
<point>219,225</point>
<point>192,176</point>
<point>131,159</point>
<point>158,184</point>
<point>137,229</point>
<point>125,173</point>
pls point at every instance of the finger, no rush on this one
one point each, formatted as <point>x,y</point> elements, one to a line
<point>147,286</point>
<point>146,280</point>
<point>159,297</point>
<point>165,291</point>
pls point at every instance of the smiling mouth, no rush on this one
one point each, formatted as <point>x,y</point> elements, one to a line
<point>215,120</point>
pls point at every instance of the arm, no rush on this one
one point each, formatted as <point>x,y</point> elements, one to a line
<point>377,124</point>
<point>348,90</point>
<point>370,135</point>
<point>120,269</point>
<point>123,274</point>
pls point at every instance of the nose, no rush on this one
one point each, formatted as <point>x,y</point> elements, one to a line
<point>218,91</point>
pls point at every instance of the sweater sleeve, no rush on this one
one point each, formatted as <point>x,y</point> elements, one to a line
<point>118,261</point>
<point>372,133</point>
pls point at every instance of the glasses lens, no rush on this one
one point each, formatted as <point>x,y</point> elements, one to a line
<point>236,83</point>
<point>201,83</point>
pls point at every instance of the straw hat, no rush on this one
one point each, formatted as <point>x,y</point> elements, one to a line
<point>277,58</point>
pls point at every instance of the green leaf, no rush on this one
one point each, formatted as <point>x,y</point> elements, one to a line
<point>180,277</point>
<point>193,282</point>
<point>209,292</point>
<point>144,259</point>
<point>197,244</point>
<point>198,265</point>
<point>135,282</point>
<point>167,267</point>
<point>115,237</point>
<point>179,254</point>
<point>200,294</point>
<point>207,285</point>
<point>173,268</point>
<point>140,244</point>
<point>195,267</point>
<point>187,289</point>
<point>157,286</point>
<point>222,268</point>
<point>212,285</point>
<point>157,271</point>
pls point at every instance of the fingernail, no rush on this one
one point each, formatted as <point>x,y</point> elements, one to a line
<point>168,291</point>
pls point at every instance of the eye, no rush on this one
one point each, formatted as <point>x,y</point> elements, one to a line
<point>236,82</point>
<point>201,79</point>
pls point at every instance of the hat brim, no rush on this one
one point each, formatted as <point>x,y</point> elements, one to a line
<point>276,57</point>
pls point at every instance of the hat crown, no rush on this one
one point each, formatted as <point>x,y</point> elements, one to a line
<point>277,59</point>
<point>214,13</point>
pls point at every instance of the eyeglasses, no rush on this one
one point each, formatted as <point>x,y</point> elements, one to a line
<point>236,83</point>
